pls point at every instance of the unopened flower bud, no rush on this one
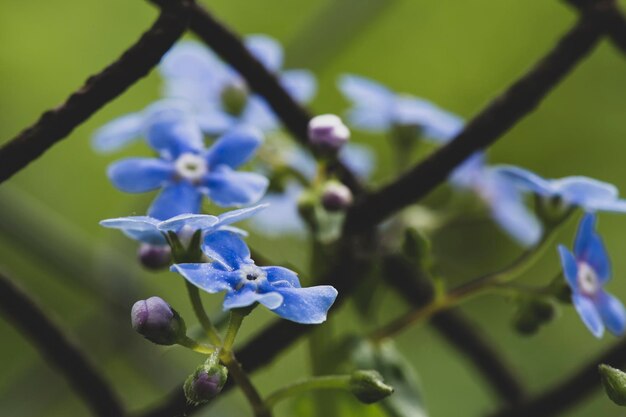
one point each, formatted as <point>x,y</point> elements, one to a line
<point>234,97</point>
<point>155,320</point>
<point>614,382</point>
<point>328,133</point>
<point>336,197</point>
<point>154,256</point>
<point>368,386</point>
<point>206,382</point>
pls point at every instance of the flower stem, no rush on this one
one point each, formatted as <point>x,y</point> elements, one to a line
<point>478,286</point>
<point>340,382</point>
<point>203,318</point>
<point>195,346</point>
<point>236,318</point>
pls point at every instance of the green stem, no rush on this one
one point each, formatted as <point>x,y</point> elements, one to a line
<point>471,289</point>
<point>203,318</point>
<point>236,318</point>
<point>195,346</point>
<point>340,382</point>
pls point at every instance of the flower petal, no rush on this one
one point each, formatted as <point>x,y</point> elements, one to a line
<point>235,147</point>
<point>282,216</point>
<point>226,248</point>
<point>612,312</point>
<point>259,115</point>
<point>588,314</point>
<point>235,216</point>
<point>138,175</point>
<point>247,296</point>
<point>118,133</point>
<point>176,198</point>
<point>526,179</point>
<point>214,121</point>
<point>300,84</point>
<point>589,248</point>
<point>141,228</point>
<point>172,131</point>
<point>210,277</point>
<point>281,276</point>
<point>583,191</point>
<point>229,188</point>
<point>570,267</point>
<point>306,305</point>
<point>359,158</point>
<point>267,50</point>
<point>192,221</point>
<point>373,103</point>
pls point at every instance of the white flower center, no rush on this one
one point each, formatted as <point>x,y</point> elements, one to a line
<point>587,279</point>
<point>191,167</point>
<point>251,273</point>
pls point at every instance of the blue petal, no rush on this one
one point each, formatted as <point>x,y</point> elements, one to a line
<point>584,191</point>
<point>192,221</point>
<point>210,277</point>
<point>570,267</point>
<point>470,171</point>
<point>173,131</point>
<point>226,248</point>
<point>612,312</point>
<point>443,126</point>
<point>247,296</point>
<point>213,120</point>
<point>138,175</point>
<point>373,103</point>
<point>118,133</point>
<point>306,305</point>
<point>267,50</point>
<point>302,162</point>
<point>617,206</point>
<point>526,179</point>
<point>235,216</point>
<point>176,198</point>
<point>588,314</point>
<point>279,276</point>
<point>258,114</point>
<point>141,228</point>
<point>589,248</point>
<point>358,158</point>
<point>228,188</point>
<point>300,84</point>
<point>235,147</point>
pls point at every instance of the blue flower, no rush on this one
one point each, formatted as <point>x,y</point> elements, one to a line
<point>587,271</point>
<point>186,170</point>
<point>502,196</point>
<point>275,287</point>
<point>152,231</point>
<point>590,194</point>
<point>378,109</point>
<point>221,96</point>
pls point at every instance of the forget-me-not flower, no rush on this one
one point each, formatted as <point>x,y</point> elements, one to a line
<point>277,288</point>
<point>185,170</point>
<point>378,109</point>
<point>587,271</point>
<point>152,231</point>
<point>502,196</point>
<point>220,95</point>
<point>590,194</point>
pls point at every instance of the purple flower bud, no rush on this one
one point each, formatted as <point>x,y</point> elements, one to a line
<point>206,382</point>
<point>155,320</point>
<point>328,133</point>
<point>336,197</point>
<point>154,257</point>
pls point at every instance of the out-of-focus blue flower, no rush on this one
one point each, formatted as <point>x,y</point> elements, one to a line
<point>275,287</point>
<point>152,231</point>
<point>283,217</point>
<point>220,95</point>
<point>186,170</point>
<point>378,109</point>
<point>590,194</point>
<point>502,196</point>
<point>587,271</point>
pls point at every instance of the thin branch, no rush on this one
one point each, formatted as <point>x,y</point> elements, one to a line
<point>35,324</point>
<point>571,391</point>
<point>230,48</point>
<point>615,23</point>
<point>489,125</point>
<point>457,329</point>
<point>98,90</point>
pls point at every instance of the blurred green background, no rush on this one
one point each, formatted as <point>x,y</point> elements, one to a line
<point>456,53</point>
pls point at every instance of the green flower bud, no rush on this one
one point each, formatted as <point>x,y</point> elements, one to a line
<point>614,382</point>
<point>368,386</point>
<point>234,98</point>
<point>206,382</point>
